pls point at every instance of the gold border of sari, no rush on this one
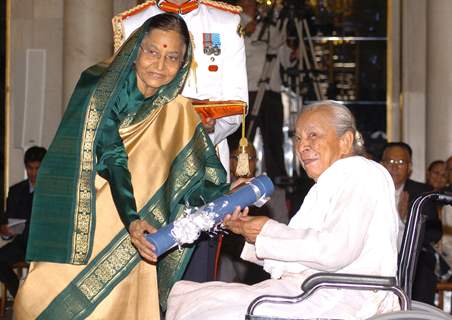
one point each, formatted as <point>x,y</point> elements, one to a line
<point>181,156</point>
<point>183,159</point>
<point>83,215</point>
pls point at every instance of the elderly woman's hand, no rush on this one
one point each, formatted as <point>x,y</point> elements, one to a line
<point>240,223</point>
<point>137,230</point>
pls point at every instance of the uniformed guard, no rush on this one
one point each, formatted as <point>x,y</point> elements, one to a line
<point>218,73</point>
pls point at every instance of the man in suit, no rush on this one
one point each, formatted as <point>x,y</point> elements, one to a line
<point>397,159</point>
<point>18,206</point>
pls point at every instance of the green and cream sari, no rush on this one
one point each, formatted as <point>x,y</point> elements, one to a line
<point>115,154</point>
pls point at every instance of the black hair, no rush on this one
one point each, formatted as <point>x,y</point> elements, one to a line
<point>171,22</point>
<point>434,163</point>
<point>33,154</point>
<point>399,144</point>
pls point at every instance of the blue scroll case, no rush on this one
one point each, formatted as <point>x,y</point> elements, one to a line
<point>255,192</point>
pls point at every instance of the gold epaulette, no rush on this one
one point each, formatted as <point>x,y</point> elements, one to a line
<point>137,9</point>
<point>117,21</point>
<point>222,6</point>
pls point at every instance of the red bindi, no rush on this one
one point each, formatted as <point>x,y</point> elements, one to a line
<point>164,46</point>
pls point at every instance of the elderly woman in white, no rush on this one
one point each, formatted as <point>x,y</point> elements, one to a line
<point>347,224</point>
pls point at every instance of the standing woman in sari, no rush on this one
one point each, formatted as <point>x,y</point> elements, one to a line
<point>128,155</point>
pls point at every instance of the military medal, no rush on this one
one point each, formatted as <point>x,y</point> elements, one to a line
<point>211,43</point>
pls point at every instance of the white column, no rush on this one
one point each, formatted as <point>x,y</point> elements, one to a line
<point>393,113</point>
<point>414,84</point>
<point>35,80</point>
<point>88,38</point>
<point>439,79</point>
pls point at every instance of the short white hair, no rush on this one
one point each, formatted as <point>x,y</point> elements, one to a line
<point>342,120</point>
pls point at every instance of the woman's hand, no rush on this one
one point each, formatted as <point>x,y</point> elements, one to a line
<point>237,183</point>
<point>209,125</point>
<point>240,223</point>
<point>137,230</point>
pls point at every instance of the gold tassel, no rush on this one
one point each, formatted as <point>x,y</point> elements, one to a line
<point>243,165</point>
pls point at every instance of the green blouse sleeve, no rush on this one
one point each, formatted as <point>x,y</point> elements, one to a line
<point>112,166</point>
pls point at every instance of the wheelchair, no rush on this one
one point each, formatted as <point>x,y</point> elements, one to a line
<point>399,285</point>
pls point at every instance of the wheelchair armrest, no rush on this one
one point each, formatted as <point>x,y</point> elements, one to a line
<point>344,278</point>
<point>338,281</point>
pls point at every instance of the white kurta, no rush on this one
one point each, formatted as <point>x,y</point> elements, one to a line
<point>229,82</point>
<point>348,223</point>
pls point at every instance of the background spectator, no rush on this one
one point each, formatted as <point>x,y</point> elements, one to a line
<point>446,218</point>
<point>18,206</point>
<point>397,159</point>
<point>449,172</point>
<point>436,175</point>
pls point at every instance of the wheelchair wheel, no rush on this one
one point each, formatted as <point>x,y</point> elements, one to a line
<point>412,315</point>
<point>421,306</point>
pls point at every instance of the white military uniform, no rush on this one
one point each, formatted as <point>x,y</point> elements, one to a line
<point>216,77</point>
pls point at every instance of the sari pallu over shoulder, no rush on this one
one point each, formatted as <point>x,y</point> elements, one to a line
<point>63,232</point>
<point>190,171</point>
<point>64,209</point>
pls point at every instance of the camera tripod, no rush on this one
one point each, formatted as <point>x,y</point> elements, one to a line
<point>292,79</point>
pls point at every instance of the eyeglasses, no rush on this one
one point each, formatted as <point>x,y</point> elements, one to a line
<point>170,59</point>
<point>396,163</point>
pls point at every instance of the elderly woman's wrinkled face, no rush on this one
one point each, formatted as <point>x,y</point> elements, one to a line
<point>160,58</point>
<point>317,144</point>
